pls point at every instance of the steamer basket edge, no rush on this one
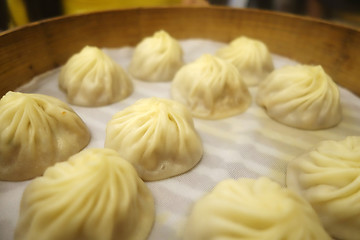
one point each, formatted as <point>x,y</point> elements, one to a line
<point>41,46</point>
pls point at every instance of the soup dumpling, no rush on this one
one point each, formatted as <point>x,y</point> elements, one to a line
<point>301,96</point>
<point>250,56</point>
<point>94,195</point>
<point>156,58</point>
<point>252,209</point>
<point>211,88</point>
<point>36,131</point>
<point>91,78</point>
<point>328,177</point>
<point>157,136</point>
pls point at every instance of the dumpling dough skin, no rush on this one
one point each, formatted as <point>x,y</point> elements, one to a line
<point>250,56</point>
<point>36,131</point>
<point>301,96</point>
<point>211,87</point>
<point>253,209</point>
<point>328,177</point>
<point>91,78</point>
<point>156,58</point>
<point>94,195</point>
<point>157,136</point>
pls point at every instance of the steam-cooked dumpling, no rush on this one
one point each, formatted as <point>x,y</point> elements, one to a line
<point>94,195</point>
<point>157,136</point>
<point>251,57</point>
<point>253,209</point>
<point>329,178</point>
<point>301,96</point>
<point>36,131</point>
<point>211,88</point>
<point>156,58</point>
<point>91,78</point>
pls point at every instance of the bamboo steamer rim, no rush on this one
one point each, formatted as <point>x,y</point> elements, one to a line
<point>40,46</point>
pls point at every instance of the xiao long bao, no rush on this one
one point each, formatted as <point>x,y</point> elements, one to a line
<point>211,87</point>
<point>250,56</point>
<point>156,58</point>
<point>328,177</point>
<point>91,78</point>
<point>301,96</point>
<point>36,131</point>
<point>157,136</point>
<point>94,195</point>
<point>253,209</point>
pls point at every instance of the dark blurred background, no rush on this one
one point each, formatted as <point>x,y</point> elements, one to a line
<point>343,11</point>
<point>19,12</point>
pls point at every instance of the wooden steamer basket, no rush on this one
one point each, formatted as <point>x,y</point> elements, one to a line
<point>38,47</point>
<point>41,46</point>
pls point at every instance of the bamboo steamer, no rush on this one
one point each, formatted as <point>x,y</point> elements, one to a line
<point>38,47</point>
<point>41,46</point>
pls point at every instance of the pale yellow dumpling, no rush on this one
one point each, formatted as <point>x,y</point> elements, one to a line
<point>36,131</point>
<point>91,78</point>
<point>250,56</point>
<point>94,195</point>
<point>157,136</point>
<point>211,88</point>
<point>156,58</point>
<point>253,209</point>
<point>328,177</point>
<point>301,96</point>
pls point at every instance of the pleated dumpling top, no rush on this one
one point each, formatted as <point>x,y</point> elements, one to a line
<point>96,195</point>
<point>253,209</point>
<point>37,131</point>
<point>301,96</point>
<point>156,58</point>
<point>250,56</point>
<point>328,177</point>
<point>211,88</point>
<point>157,136</point>
<point>91,78</point>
